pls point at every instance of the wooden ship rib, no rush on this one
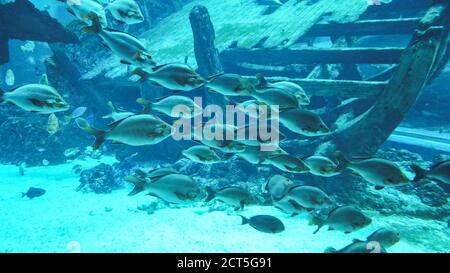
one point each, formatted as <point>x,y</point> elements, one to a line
<point>394,91</point>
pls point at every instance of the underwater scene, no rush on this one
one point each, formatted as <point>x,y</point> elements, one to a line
<point>212,126</point>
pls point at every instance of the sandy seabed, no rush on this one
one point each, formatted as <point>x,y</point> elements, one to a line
<point>64,220</point>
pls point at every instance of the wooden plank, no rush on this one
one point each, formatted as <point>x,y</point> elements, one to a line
<point>280,57</point>
<point>349,89</point>
<point>373,128</point>
<point>363,28</point>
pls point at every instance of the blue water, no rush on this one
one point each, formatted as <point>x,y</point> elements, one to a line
<point>87,206</point>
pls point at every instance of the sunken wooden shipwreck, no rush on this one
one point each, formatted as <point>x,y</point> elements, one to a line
<point>280,41</point>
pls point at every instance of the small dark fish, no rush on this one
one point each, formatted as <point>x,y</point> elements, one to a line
<point>34,192</point>
<point>359,247</point>
<point>264,223</point>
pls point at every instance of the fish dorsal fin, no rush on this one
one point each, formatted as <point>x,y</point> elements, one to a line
<point>17,87</point>
<point>116,123</point>
<point>333,210</point>
<point>111,106</point>
<point>215,76</point>
<point>44,80</point>
<point>140,173</point>
<point>158,67</point>
<point>438,164</point>
<point>261,80</point>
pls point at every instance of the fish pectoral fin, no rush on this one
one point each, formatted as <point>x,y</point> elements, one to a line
<point>330,228</point>
<point>117,143</point>
<point>105,45</point>
<point>37,102</point>
<point>347,232</point>
<point>181,196</point>
<point>378,188</point>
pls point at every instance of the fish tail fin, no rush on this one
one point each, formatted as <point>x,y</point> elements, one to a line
<point>342,159</point>
<point>100,136</point>
<point>141,73</point>
<point>261,80</point>
<point>244,220</point>
<point>139,184</point>
<point>211,194</point>
<point>330,250</point>
<point>95,27</point>
<point>146,105</point>
<point>316,221</point>
<point>23,194</point>
<point>420,173</point>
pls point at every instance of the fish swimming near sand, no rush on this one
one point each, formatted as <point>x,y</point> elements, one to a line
<point>278,186</point>
<point>34,192</point>
<point>172,188</point>
<point>308,197</point>
<point>126,12</point>
<point>385,236</point>
<point>138,130</point>
<point>439,171</point>
<point>128,48</point>
<point>346,219</point>
<point>38,98</point>
<point>176,77</point>
<point>264,223</point>
<point>377,171</point>
<point>234,196</point>
<point>359,247</point>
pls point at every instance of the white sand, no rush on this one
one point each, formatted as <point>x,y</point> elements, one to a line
<point>63,219</point>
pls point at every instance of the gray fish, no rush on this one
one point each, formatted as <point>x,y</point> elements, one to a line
<point>172,188</point>
<point>308,197</point>
<point>377,171</point>
<point>178,77</point>
<point>202,154</point>
<point>215,136</point>
<point>290,87</point>
<point>264,223</point>
<point>276,96</point>
<point>278,186</point>
<point>321,166</point>
<point>255,155</point>
<point>38,98</point>
<point>289,206</point>
<point>287,163</point>
<point>346,219</point>
<point>303,122</point>
<point>168,104</point>
<point>359,247</point>
<point>439,171</point>
<point>126,12</point>
<point>234,196</point>
<point>33,192</point>
<point>138,130</point>
<point>230,85</point>
<point>129,49</point>
<point>117,115</point>
<point>257,140</point>
<point>83,8</point>
<point>386,237</point>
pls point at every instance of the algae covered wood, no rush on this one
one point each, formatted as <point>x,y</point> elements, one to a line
<point>21,20</point>
<point>279,57</point>
<point>376,125</point>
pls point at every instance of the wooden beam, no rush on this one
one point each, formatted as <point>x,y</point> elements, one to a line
<point>349,89</point>
<point>280,57</point>
<point>363,28</point>
<point>366,134</point>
